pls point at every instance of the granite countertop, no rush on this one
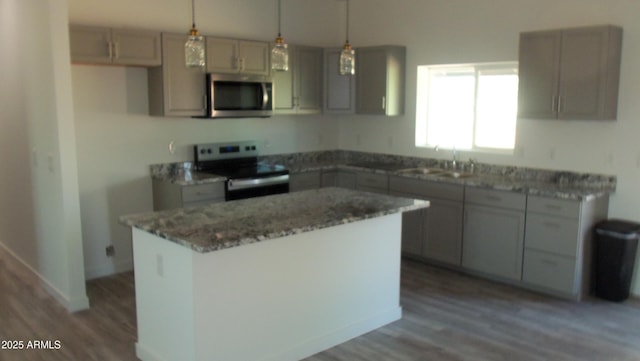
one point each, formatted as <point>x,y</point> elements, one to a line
<point>230,224</point>
<point>548,183</point>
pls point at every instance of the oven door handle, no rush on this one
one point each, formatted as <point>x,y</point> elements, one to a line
<point>265,96</point>
<point>246,183</point>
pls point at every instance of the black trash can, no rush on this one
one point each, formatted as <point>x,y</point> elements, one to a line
<point>616,244</point>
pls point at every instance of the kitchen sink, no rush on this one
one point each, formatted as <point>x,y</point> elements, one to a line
<point>455,175</point>
<point>433,171</point>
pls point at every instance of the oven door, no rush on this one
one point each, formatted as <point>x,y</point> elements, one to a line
<point>242,188</point>
<point>239,96</point>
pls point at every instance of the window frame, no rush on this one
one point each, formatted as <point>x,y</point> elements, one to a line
<point>424,74</point>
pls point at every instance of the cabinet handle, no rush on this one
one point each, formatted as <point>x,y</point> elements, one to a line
<point>560,103</point>
<point>549,262</point>
<point>116,47</point>
<point>553,103</point>
<point>384,102</point>
<point>552,225</point>
<point>110,47</point>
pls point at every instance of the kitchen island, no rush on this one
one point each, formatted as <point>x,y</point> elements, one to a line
<point>271,278</point>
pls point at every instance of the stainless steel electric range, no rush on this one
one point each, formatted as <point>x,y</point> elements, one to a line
<point>238,162</point>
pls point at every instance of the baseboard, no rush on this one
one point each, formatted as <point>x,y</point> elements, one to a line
<point>72,304</point>
<point>108,270</point>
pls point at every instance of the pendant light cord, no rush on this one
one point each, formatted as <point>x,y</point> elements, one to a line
<point>279,16</point>
<point>193,13</point>
<point>347,40</point>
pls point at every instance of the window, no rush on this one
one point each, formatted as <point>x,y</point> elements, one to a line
<point>470,106</point>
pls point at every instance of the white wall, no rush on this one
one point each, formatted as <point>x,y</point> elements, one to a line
<point>39,200</point>
<point>458,31</point>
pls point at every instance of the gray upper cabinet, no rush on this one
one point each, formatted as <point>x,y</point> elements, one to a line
<point>570,73</point>
<point>380,79</point>
<point>174,89</point>
<point>237,56</point>
<point>101,45</point>
<point>339,90</point>
<point>299,90</point>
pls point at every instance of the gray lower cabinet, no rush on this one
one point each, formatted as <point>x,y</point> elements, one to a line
<point>175,90</point>
<point>338,178</point>
<point>493,239</point>
<point>372,182</point>
<point>299,90</point>
<point>167,195</point>
<point>434,233</point>
<point>558,244</point>
<point>103,45</point>
<point>304,181</point>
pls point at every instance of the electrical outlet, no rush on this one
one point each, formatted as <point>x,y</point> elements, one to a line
<point>159,265</point>
<point>110,250</point>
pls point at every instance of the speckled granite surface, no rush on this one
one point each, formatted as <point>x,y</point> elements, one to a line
<point>223,225</point>
<point>533,181</point>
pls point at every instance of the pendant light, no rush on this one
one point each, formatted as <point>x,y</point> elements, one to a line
<point>279,52</point>
<point>347,55</point>
<point>194,55</point>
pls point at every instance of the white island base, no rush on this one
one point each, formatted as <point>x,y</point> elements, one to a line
<point>281,299</point>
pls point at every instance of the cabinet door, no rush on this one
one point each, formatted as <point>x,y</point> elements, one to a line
<point>136,47</point>
<point>339,90</point>
<point>283,89</point>
<point>254,57</point>
<point>222,55</point>
<point>413,232</point>
<point>539,71</point>
<point>589,73</point>
<point>175,90</point>
<point>493,241</point>
<point>90,44</point>
<point>308,80</point>
<point>304,181</point>
<point>371,73</point>
<point>443,240</point>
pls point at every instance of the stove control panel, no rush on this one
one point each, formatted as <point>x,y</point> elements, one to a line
<point>219,151</point>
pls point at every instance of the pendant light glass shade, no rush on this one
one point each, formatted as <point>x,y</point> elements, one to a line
<point>194,54</point>
<point>347,55</point>
<point>279,52</point>
<point>347,60</point>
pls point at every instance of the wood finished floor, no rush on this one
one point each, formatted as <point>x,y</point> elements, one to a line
<point>447,316</point>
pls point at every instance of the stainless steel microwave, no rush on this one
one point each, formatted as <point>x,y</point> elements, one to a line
<point>236,95</point>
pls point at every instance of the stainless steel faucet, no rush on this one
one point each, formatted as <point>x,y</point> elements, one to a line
<point>454,162</point>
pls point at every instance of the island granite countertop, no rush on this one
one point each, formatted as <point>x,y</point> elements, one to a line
<point>230,224</point>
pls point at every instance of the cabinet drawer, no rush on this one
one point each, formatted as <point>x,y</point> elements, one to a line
<point>552,234</point>
<point>552,206</point>
<point>426,189</point>
<point>201,192</point>
<point>549,271</point>
<point>303,181</point>
<point>372,181</point>
<point>494,198</point>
